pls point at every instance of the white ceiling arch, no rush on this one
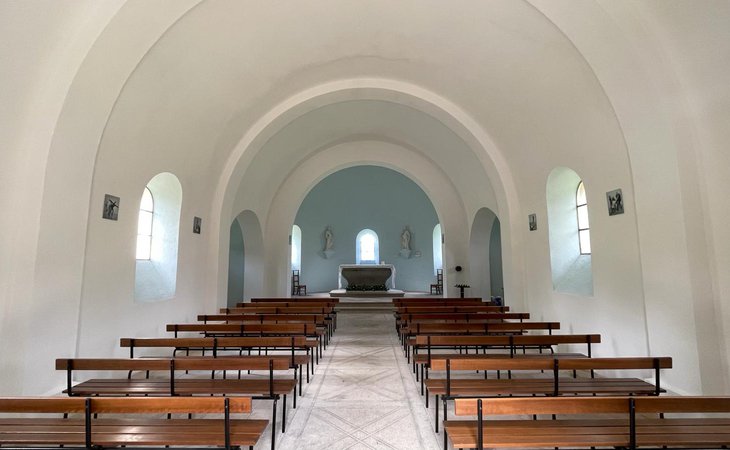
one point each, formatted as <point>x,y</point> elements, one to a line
<point>450,115</point>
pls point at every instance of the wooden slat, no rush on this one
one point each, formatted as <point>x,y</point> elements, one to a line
<point>41,404</point>
<point>683,404</point>
<point>492,363</point>
<point>169,405</point>
<point>555,405</point>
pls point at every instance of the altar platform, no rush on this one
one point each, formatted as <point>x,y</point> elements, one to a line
<point>343,293</point>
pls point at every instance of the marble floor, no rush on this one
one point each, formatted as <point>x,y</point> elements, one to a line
<point>362,396</point>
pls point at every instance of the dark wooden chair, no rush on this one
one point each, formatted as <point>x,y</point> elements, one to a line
<point>438,287</point>
<point>296,287</point>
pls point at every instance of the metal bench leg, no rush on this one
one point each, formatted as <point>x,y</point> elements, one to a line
<point>273,426</point>
<point>436,407</point>
<point>283,415</point>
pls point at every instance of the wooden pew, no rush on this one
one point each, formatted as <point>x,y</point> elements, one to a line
<point>408,334</point>
<point>591,422</point>
<point>319,319</point>
<point>449,309</point>
<point>134,429</point>
<point>258,388</point>
<point>328,311</point>
<point>251,329</point>
<point>408,319</point>
<point>275,304</point>
<point>426,347</point>
<point>292,345</point>
<point>449,388</point>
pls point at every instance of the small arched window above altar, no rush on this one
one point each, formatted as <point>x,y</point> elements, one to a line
<point>367,247</point>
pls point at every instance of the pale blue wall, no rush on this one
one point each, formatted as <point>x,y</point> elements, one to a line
<point>366,197</point>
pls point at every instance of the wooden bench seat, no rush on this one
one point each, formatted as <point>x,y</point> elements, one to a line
<point>268,388</point>
<point>592,422</point>
<point>134,429</point>
<point>550,382</point>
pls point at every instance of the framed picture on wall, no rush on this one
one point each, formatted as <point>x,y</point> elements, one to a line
<point>615,201</point>
<point>197,222</point>
<point>111,207</point>
<point>532,220</point>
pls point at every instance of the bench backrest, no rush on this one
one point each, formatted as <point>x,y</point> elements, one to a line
<point>216,343</point>
<point>286,304</point>
<point>450,309</point>
<point>547,363</point>
<point>125,405</point>
<point>479,328</point>
<point>513,342</point>
<point>263,318</point>
<point>462,317</point>
<point>245,328</point>
<point>590,405</point>
<point>172,364</point>
<point>552,364</point>
<point>279,310</point>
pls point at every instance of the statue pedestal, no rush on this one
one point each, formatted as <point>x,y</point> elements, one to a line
<point>328,254</point>
<point>405,254</point>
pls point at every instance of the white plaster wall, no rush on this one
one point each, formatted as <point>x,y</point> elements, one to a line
<point>657,125</point>
<point>626,101</point>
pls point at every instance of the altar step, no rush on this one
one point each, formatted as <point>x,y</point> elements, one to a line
<point>369,306</point>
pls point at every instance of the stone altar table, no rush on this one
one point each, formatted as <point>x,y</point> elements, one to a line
<point>367,274</point>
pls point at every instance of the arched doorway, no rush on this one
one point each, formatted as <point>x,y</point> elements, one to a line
<point>485,255</point>
<point>245,258</point>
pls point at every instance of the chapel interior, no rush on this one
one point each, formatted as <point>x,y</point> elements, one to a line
<point>421,135</point>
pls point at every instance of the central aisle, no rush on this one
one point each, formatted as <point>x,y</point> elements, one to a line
<point>362,396</point>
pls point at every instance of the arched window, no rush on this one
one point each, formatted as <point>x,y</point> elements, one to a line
<point>144,225</point>
<point>584,232</point>
<point>158,230</point>
<point>437,249</point>
<point>367,247</point>
<point>568,233</point>
<point>296,248</point>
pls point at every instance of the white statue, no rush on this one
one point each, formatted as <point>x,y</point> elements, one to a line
<point>328,239</point>
<point>405,239</point>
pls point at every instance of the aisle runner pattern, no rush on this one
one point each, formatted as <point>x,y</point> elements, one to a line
<point>362,395</point>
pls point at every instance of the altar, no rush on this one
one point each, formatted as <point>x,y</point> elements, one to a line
<point>366,275</point>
